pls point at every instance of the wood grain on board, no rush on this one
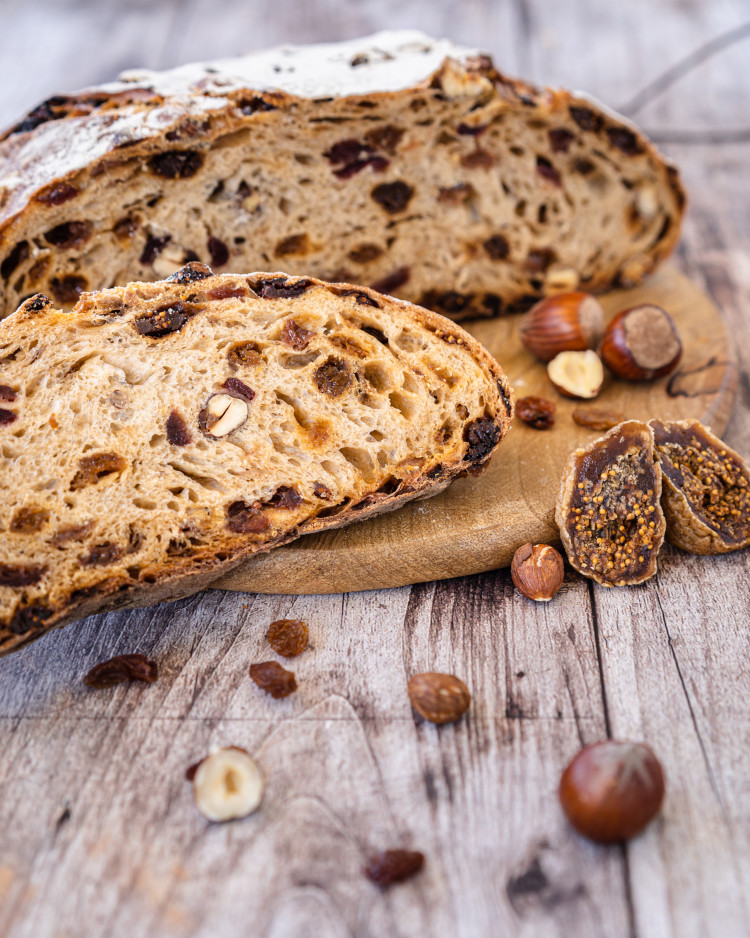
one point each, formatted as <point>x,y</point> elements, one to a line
<point>478,523</point>
<point>99,836</point>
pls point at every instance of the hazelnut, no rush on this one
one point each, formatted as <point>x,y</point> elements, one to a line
<point>227,784</point>
<point>612,790</point>
<point>537,571</point>
<point>439,698</point>
<point>641,343</point>
<point>222,414</point>
<point>567,322</point>
<point>576,374</point>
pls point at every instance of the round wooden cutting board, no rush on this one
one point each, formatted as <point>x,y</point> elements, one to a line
<point>478,523</point>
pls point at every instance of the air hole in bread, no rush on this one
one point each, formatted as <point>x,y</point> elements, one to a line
<point>405,405</point>
<point>147,504</point>
<point>378,376</point>
<point>361,460</point>
<point>298,361</point>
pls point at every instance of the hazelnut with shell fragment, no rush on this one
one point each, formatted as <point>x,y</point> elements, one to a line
<point>227,784</point>
<point>576,374</point>
<point>537,571</point>
<point>566,322</point>
<point>641,344</point>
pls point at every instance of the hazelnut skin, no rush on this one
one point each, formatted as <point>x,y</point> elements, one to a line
<point>566,322</point>
<point>612,790</point>
<point>641,344</point>
<point>537,571</point>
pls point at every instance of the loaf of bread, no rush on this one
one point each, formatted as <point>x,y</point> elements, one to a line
<point>160,433</point>
<point>397,161</point>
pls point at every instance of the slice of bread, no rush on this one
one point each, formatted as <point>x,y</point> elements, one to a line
<point>162,432</point>
<point>398,161</point>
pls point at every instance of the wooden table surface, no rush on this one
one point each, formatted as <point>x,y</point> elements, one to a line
<point>98,832</point>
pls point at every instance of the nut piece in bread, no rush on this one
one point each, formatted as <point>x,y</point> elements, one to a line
<point>160,433</point>
<point>396,160</point>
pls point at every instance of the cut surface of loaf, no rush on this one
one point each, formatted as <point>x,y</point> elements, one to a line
<point>397,161</point>
<point>161,432</point>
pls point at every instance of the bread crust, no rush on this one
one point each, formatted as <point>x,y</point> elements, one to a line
<point>227,304</point>
<point>70,141</point>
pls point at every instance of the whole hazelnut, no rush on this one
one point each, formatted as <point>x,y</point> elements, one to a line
<point>439,698</point>
<point>537,571</point>
<point>641,343</point>
<point>576,374</point>
<point>566,322</point>
<point>612,790</point>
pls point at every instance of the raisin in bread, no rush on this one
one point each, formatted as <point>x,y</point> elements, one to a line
<point>161,432</point>
<point>397,161</point>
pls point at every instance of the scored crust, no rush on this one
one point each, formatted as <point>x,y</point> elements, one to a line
<point>397,161</point>
<point>160,433</point>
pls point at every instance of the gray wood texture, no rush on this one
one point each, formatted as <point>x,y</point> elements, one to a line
<point>98,833</point>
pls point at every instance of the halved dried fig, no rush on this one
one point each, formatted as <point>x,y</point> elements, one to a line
<point>706,488</point>
<point>608,510</point>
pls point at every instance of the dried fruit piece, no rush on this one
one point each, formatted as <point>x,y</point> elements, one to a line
<point>537,571</point>
<point>705,488</point>
<point>567,322</point>
<point>177,431</point>
<point>288,637</point>
<point>482,436</point>
<point>246,519</point>
<point>176,164</point>
<point>95,467</point>
<point>296,336</point>
<point>122,668</point>
<point>641,344</point>
<point>239,389</point>
<point>67,289</point>
<point>612,790</point>
<point>244,353</point>
<point>217,251</point>
<point>101,555</point>
<point>163,321</point>
<point>16,574</point>
<point>538,412</point>
<point>576,374</point>
<point>285,496</point>
<point>608,510</point>
<point>7,417</point>
<point>393,866</point>
<point>439,698</point>
<point>597,418</point>
<point>29,519</point>
<point>393,196</point>
<point>227,784</point>
<point>273,679</point>
<point>71,234</point>
<point>333,377</point>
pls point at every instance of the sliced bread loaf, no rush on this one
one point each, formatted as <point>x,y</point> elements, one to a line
<point>161,432</point>
<point>398,161</point>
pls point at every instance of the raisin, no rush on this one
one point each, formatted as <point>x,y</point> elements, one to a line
<point>69,288</point>
<point>586,118</point>
<point>547,171</point>
<point>40,115</point>
<point>346,344</point>
<point>71,234</point>
<point>539,259</point>
<point>153,248</point>
<point>288,637</point>
<point>393,866</point>
<point>176,164</point>
<point>538,412</point>
<point>226,292</point>
<point>560,139</point>
<point>273,679</point>
<point>624,140</point>
<point>244,353</point>
<point>246,519</point>
<point>364,253</point>
<point>57,194</point>
<point>163,321</point>
<point>393,281</point>
<point>120,669</point>
<point>456,195</point>
<point>322,491</point>
<point>385,138</point>
<point>286,497</point>
<point>333,377</point>
<point>360,297</point>
<point>478,159</point>
<point>17,256</point>
<point>281,288</point>
<point>7,417</point>
<point>16,574</point>
<point>218,252</point>
<point>497,247</point>
<point>29,519</point>
<point>77,532</point>
<point>393,196</point>
<point>177,431</point>
<point>352,156</point>
<point>27,618</point>
<point>239,389</point>
<point>125,228</point>
<point>597,418</point>
<point>608,512</point>
<point>101,555</point>
<point>251,105</point>
<point>471,131</point>
<point>481,436</point>
<point>93,468</point>
<point>449,302</point>
<point>295,336</point>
